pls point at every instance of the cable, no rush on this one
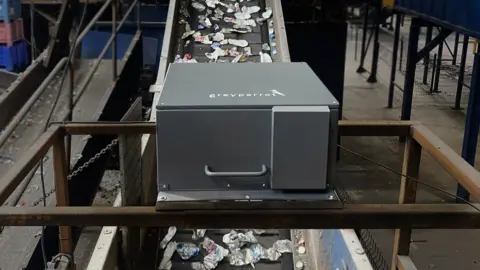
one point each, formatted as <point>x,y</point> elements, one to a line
<point>409,177</point>
<point>57,98</point>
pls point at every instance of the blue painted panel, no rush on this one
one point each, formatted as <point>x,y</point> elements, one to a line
<point>95,41</point>
<point>459,13</point>
<point>150,13</point>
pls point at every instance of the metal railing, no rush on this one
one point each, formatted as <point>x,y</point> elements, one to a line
<point>72,99</point>
<point>85,82</point>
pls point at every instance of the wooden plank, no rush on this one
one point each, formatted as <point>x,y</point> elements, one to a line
<point>130,152</point>
<point>408,193</point>
<point>463,172</point>
<point>61,189</point>
<point>352,216</point>
<point>405,263</point>
<point>15,175</point>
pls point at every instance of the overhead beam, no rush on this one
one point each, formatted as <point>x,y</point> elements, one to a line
<point>372,216</point>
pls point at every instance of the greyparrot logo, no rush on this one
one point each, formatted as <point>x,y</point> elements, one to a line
<point>271,93</point>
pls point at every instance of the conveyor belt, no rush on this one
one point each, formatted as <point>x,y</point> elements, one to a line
<point>180,14</point>
<point>266,240</point>
<point>259,34</point>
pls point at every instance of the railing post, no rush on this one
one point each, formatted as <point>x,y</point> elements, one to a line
<point>61,189</point>
<point>408,192</point>
<point>114,42</point>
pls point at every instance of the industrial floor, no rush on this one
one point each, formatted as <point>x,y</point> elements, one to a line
<point>367,182</point>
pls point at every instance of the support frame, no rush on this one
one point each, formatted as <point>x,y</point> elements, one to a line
<point>404,216</point>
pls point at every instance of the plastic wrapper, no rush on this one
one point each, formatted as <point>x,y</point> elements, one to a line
<point>215,54</point>
<point>233,30</point>
<point>265,58</point>
<point>241,257</point>
<point>166,263</point>
<point>202,39</point>
<point>251,9</point>
<point>268,13</point>
<point>243,23</point>
<point>198,6</point>
<point>238,42</point>
<point>216,253</point>
<point>242,15</point>
<point>186,59</point>
<point>233,52</point>
<point>219,12</point>
<point>187,250</point>
<point>198,266</point>
<point>247,51</point>
<point>265,47</point>
<point>170,234</point>
<point>283,246</point>
<point>235,240</point>
<point>218,37</point>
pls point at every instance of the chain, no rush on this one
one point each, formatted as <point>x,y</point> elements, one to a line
<point>80,169</point>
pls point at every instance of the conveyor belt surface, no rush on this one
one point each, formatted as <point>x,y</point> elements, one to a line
<point>256,36</point>
<point>266,240</point>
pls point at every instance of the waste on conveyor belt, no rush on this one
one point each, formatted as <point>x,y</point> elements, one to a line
<point>242,249</point>
<point>216,21</point>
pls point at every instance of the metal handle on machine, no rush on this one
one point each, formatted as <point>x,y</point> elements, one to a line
<point>208,172</point>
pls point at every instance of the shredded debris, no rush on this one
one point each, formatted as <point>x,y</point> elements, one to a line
<point>221,24</point>
<point>242,249</point>
<point>187,250</point>
<point>169,236</point>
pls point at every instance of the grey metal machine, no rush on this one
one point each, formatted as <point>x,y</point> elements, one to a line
<point>255,131</point>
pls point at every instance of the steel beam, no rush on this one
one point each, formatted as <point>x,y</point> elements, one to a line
<point>346,128</point>
<point>439,39</point>
<point>393,71</point>
<point>411,67</point>
<point>426,60</point>
<point>438,67</point>
<point>59,45</point>
<point>352,216</point>
<point>455,49</point>
<point>376,44</point>
<point>364,48</point>
<point>461,75</point>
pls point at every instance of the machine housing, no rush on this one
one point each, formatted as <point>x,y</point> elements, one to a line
<point>245,127</point>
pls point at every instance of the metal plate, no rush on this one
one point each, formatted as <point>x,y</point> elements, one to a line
<point>245,199</point>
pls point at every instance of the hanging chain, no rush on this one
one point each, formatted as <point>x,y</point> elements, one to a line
<point>85,165</point>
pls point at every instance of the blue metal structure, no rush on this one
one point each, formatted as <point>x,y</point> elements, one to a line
<point>459,16</point>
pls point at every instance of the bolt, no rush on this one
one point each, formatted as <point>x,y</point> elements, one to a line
<point>228,185</point>
<point>264,185</point>
<point>164,186</point>
<point>163,198</point>
<point>330,197</point>
<point>247,197</point>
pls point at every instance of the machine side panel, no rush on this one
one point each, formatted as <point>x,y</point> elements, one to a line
<point>300,147</point>
<point>332,148</point>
